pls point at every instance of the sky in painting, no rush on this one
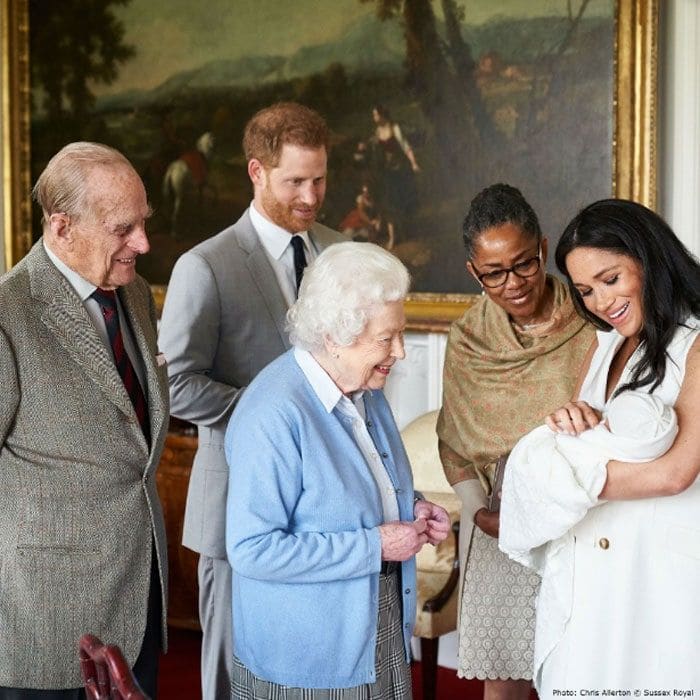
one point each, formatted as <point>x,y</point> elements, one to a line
<point>176,35</point>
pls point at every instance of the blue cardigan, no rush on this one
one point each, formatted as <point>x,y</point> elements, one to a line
<point>302,532</point>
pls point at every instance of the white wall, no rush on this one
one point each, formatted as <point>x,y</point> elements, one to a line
<point>679,119</point>
<point>415,384</point>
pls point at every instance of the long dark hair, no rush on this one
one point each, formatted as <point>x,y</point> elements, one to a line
<point>671,275</point>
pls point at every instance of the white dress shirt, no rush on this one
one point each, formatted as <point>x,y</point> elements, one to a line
<point>277,243</point>
<point>84,290</point>
<point>331,397</point>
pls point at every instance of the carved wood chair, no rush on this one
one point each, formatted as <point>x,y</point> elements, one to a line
<point>106,673</point>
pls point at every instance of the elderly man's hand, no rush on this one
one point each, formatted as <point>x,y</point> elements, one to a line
<point>401,540</point>
<point>436,518</point>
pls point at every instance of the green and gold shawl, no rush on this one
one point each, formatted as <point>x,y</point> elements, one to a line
<point>499,383</point>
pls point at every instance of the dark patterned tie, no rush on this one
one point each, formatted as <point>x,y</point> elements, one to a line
<point>107,300</point>
<point>299,259</point>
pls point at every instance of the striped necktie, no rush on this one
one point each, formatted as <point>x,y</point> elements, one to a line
<point>107,300</point>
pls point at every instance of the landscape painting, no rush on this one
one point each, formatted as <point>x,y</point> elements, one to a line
<point>427,101</point>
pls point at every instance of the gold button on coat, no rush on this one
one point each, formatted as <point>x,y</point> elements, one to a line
<point>603,543</point>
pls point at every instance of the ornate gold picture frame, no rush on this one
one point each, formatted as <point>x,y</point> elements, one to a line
<point>633,149</point>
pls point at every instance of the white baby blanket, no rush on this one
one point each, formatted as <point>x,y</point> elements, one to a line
<point>552,480</point>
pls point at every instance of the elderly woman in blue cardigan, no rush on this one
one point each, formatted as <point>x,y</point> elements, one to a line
<point>323,522</point>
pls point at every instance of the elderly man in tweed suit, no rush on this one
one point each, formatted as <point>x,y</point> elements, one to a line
<point>83,417</point>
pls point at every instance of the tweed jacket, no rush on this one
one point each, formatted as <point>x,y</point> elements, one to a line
<point>223,321</point>
<point>79,511</point>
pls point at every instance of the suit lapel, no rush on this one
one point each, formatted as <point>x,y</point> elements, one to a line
<point>144,336</point>
<point>323,237</point>
<point>263,275</point>
<point>65,317</point>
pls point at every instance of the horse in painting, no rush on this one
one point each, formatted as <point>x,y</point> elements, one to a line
<point>185,181</point>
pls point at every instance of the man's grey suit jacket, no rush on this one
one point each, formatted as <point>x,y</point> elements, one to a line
<point>79,511</point>
<point>223,321</point>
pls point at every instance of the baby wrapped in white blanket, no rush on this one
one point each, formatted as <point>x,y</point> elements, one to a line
<point>551,480</point>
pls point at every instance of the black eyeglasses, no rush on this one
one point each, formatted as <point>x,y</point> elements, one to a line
<point>497,278</point>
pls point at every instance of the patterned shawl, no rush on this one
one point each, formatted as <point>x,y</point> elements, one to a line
<point>499,383</point>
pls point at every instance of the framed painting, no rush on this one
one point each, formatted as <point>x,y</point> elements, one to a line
<point>428,102</point>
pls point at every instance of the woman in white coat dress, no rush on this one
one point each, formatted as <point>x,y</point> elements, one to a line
<point>632,623</point>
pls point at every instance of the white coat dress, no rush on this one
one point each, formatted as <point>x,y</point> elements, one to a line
<point>634,623</point>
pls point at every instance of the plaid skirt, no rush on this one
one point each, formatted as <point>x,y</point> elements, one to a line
<point>393,673</point>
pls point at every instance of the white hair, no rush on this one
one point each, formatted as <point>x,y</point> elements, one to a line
<point>341,290</point>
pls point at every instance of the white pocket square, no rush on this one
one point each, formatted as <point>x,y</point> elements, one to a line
<point>160,359</point>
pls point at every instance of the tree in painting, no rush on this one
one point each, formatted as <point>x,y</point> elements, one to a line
<point>504,115</point>
<point>442,76</point>
<point>69,55</point>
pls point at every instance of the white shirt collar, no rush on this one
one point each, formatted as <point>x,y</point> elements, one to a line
<point>324,387</point>
<point>83,288</point>
<point>274,238</point>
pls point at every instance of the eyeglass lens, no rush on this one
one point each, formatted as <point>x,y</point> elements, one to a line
<point>497,278</point>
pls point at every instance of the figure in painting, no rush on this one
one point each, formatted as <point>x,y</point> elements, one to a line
<point>393,165</point>
<point>364,221</point>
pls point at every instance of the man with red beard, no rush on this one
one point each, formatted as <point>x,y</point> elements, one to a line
<point>224,320</point>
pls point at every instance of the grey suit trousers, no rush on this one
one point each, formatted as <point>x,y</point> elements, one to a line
<point>215,617</point>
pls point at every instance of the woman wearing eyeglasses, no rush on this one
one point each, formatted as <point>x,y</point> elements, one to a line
<point>511,359</point>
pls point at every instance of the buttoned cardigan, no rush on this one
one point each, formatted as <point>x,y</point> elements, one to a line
<point>302,534</point>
